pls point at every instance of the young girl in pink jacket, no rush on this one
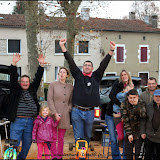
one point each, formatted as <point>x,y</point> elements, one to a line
<point>43,132</point>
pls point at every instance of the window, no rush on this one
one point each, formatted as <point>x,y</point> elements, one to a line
<point>57,47</point>
<point>143,54</point>
<point>14,46</point>
<point>120,53</point>
<point>144,77</point>
<point>4,77</point>
<point>83,47</point>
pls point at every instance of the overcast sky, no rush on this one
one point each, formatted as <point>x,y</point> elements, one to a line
<point>114,10</point>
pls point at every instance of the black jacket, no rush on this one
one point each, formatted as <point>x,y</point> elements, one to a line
<point>16,90</point>
<point>116,88</point>
<point>86,89</point>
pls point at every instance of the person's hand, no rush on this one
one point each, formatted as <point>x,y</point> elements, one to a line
<point>130,138</point>
<point>117,115</point>
<point>62,43</point>
<point>41,59</point>
<point>57,116</point>
<point>143,136</point>
<point>15,59</point>
<point>34,140</point>
<point>112,47</point>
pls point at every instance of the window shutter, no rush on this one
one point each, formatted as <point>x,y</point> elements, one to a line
<point>120,54</point>
<point>143,54</point>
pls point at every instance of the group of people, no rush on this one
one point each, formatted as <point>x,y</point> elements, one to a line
<point>49,127</point>
<point>125,113</point>
<point>135,118</point>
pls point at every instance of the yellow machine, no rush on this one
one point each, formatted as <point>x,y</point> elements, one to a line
<point>81,149</point>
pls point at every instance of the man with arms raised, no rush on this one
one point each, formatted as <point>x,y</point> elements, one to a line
<point>85,92</point>
<point>24,104</point>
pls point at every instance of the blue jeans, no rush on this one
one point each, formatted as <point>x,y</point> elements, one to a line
<point>21,129</point>
<point>113,137</point>
<point>82,122</point>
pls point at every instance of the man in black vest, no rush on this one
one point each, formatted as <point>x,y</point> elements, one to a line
<point>86,92</point>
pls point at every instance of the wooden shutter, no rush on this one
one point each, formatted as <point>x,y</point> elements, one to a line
<point>120,54</point>
<point>143,54</point>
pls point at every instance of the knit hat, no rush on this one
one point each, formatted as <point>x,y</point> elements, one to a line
<point>156,92</point>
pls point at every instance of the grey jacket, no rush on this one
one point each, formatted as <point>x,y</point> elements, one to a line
<point>146,127</point>
<point>146,97</point>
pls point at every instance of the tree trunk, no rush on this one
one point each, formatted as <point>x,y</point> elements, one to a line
<point>31,22</point>
<point>70,10</point>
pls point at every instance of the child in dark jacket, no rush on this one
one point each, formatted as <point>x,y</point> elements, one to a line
<point>43,132</point>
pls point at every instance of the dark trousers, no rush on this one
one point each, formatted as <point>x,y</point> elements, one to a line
<point>149,149</point>
<point>129,148</point>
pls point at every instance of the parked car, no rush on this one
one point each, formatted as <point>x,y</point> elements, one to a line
<point>4,89</point>
<point>104,91</point>
<point>4,96</point>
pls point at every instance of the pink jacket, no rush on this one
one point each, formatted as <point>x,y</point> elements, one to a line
<point>43,130</point>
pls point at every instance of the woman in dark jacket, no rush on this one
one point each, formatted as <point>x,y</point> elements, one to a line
<point>118,86</point>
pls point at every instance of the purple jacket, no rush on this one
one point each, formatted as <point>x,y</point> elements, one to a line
<point>43,131</point>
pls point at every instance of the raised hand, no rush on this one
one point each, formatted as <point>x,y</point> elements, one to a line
<point>41,59</point>
<point>15,59</point>
<point>62,41</point>
<point>62,44</point>
<point>112,47</point>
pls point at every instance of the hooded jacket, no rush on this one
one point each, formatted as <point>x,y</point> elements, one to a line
<point>43,129</point>
<point>132,117</point>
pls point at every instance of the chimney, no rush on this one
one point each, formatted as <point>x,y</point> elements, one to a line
<point>132,15</point>
<point>146,19</point>
<point>85,14</point>
<point>154,21</point>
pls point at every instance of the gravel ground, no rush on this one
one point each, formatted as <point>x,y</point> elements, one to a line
<point>69,138</point>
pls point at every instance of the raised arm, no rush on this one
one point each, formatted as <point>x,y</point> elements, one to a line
<point>15,59</point>
<point>13,69</point>
<point>39,73</point>
<point>73,67</point>
<point>106,60</point>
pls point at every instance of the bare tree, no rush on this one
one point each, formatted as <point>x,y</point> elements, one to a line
<point>70,9</point>
<point>31,22</point>
<point>145,8</point>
